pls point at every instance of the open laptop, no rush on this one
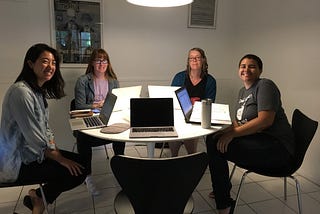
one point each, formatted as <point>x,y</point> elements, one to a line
<point>152,117</point>
<point>96,121</point>
<point>124,94</point>
<point>157,91</point>
<point>220,114</point>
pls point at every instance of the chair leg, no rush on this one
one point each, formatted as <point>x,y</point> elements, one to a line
<point>239,190</point>
<point>162,148</point>
<point>285,188</point>
<point>16,205</point>
<point>298,193</point>
<point>105,148</point>
<point>232,171</point>
<point>46,210</point>
<point>74,146</point>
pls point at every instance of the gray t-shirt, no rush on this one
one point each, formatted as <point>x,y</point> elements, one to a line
<point>265,95</point>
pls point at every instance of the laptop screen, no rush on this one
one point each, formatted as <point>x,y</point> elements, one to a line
<point>184,100</point>
<point>107,108</point>
<point>151,112</point>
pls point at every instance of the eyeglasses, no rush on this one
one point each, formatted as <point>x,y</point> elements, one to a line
<point>197,58</point>
<point>101,61</point>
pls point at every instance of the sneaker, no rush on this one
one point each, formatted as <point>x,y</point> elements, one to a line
<point>91,186</point>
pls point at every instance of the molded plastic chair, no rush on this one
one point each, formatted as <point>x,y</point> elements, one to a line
<point>159,185</point>
<point>73,107</point>
<point>16,184</point>
<point>304,129</point>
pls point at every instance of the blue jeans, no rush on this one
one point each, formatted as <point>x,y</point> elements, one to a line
<point>252,151</point>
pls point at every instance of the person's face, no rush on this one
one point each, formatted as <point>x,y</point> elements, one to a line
<point>44,67</point>
<point>195,60</point>
<point>249,71</point>
<point>100,66</point>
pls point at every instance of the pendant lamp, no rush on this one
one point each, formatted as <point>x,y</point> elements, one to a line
<point>160,3</point>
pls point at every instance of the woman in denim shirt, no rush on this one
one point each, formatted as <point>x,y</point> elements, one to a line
<point>90,92</point>
<point>28,149</point>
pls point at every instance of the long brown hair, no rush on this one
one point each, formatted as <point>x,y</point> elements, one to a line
<point>101,53</point>
<point>204,68</point>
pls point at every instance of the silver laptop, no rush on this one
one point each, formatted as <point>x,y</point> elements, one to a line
<point>124,94</point>
<point>152,117</point>
<point>96,121</point>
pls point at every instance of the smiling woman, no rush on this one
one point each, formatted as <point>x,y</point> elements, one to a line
<point>44,67</point>
<point>32,154</point>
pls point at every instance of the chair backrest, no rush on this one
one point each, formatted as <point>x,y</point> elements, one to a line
<point>73,105</point>
<point>304,129</point>
<point>159,185</point>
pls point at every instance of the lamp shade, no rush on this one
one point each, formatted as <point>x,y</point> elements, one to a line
<point>160,3</point>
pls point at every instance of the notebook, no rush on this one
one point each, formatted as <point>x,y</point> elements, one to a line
<point>220,114</point>
<point>96,121</point>
<point>124,94</point>
<point>152,117</point>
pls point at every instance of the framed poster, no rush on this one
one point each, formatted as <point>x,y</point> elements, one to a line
<point>76,29</point>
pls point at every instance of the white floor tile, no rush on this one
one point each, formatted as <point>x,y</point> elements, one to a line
<point>260,194</point>
<point>271,206</point>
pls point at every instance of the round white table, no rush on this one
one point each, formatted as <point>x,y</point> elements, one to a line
<point>185,131</point>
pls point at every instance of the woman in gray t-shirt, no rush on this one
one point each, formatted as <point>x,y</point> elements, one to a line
<point>260,136</point>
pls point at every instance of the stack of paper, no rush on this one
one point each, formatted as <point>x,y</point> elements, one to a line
<point>220,113</point>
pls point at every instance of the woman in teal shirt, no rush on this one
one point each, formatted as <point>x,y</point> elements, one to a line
<point>200,85</point>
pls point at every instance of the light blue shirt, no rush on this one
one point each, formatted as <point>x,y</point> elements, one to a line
<point>25,132</point>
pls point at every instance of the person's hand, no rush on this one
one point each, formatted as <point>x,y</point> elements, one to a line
<point>224,141</point>
<point>73,167</point>
<point>98,104</point>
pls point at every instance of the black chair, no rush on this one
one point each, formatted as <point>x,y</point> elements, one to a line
<point>73,107</point>
<point>16,184</point>
<point>159,185</point>
<point>304,129</point>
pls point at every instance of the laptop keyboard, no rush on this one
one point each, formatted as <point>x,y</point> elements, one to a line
<point>160,129</point>
<point>92,121</point>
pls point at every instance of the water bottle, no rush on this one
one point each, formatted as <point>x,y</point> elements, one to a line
<point>206,113</point>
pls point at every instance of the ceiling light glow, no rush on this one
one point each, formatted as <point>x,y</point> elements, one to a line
<point>160,3</point>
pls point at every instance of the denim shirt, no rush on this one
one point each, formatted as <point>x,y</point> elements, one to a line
<point>25,132</point>
<point>84,90</point>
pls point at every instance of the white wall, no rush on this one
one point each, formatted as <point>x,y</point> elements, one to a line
<point>149,45</point>
<point>286,35</point>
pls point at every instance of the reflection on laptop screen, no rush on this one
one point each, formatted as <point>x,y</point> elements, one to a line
<point>184,100</point>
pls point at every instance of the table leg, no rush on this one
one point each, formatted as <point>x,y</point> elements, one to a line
<point>150,149</point>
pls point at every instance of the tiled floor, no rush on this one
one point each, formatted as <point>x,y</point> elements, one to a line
<point>259,195</point>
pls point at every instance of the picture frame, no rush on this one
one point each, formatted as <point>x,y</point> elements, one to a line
<point>76,30</point>
<point>202,14</point>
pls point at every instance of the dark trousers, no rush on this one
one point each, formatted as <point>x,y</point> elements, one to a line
<point>252,151</point>
<point>55,177</point>
<point>86,142</point>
